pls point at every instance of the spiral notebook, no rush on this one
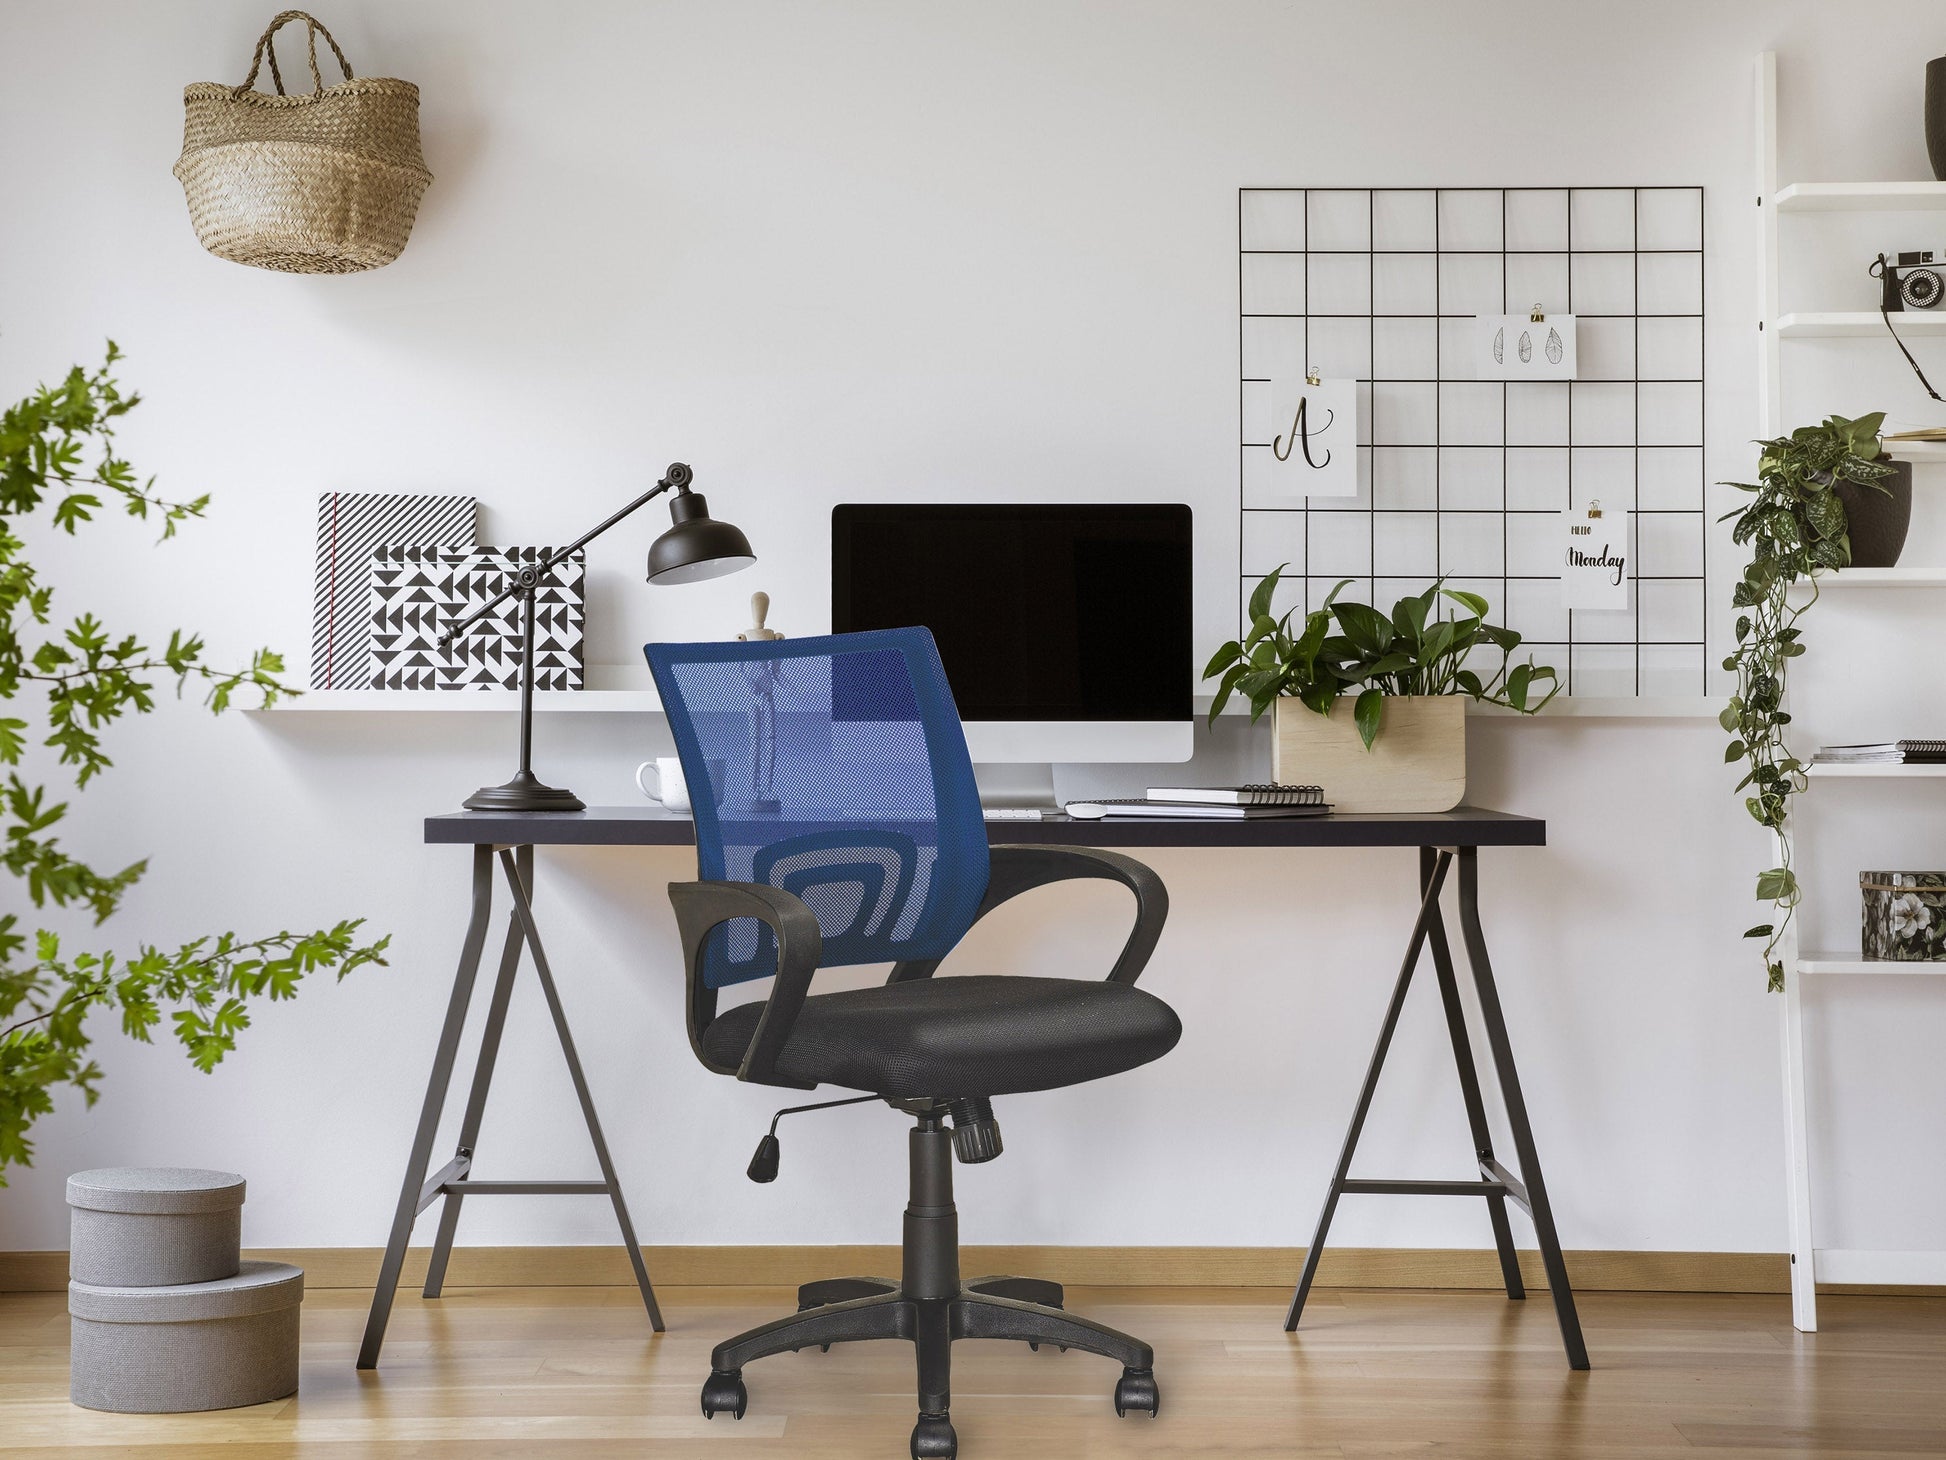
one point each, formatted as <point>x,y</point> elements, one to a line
<point>1189,811</point>
<point>1894,752</point>
<point>1261,794</point>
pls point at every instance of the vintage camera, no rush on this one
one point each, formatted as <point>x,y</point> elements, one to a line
<point>1913,280</point>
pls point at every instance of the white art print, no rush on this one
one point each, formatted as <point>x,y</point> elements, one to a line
<point>1520,347</point>
<point>1594,558</point>
<point>1314,446</point>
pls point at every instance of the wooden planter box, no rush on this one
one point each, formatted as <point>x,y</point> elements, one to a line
<point>1417,764</point>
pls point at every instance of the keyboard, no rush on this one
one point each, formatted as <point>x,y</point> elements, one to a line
<point>1013,813</point>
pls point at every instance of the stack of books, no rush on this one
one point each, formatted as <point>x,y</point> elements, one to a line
<point>1211,803</point>
<point>1896,752</point>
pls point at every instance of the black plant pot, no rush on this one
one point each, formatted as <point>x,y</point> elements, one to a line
<point>1936,116</point>
<point>1878,520</point>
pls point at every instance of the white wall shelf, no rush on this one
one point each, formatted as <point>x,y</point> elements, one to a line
<point>1878,578</point>
<point>1827,325</point>
<point>1854,963</point>
<point>1876,772</point>
<point>1881,1269</point>
<point>1613,707</point>
<point>1859,197</point>
<point>462,702</point>
<point>1915,451</point>
<point>648,702</point>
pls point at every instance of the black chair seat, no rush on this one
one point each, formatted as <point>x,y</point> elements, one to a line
<point>967,1035</point>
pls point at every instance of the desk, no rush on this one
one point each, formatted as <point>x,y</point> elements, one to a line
<point>1441,839</point>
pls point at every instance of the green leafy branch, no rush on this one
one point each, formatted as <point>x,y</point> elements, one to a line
<point>86,678</point>
<point>204,987</point>
<point>1795,526</point>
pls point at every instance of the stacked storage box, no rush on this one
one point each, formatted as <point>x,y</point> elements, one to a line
<point>166,1315</point>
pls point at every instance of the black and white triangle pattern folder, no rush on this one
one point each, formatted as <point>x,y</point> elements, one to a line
<point>351,526</point>
<point>417,593</point>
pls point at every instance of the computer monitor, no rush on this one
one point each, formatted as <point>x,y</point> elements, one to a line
<point>1065,629</point>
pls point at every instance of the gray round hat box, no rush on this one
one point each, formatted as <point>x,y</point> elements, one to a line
<point>165,1316</point>
<point>213,1345</point>
<point>154,1226</point>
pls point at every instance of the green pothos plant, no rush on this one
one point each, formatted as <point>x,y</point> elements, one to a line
<point>62,685</point>
<point>1794,525</point>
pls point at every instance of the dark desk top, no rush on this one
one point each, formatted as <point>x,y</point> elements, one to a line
<point>646,826</point>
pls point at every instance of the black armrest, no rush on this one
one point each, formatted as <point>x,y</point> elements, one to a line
<point>704,906</point>
<point>1016,869</point>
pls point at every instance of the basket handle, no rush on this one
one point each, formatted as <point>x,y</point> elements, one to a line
<point>267,48</point>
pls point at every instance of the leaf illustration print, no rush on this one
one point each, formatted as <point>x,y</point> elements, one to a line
<point>1554,350</point>
<point>1526,347</point>
<point>1500,346</point>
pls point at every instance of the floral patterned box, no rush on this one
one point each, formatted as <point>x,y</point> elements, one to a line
<point>1905,915</point>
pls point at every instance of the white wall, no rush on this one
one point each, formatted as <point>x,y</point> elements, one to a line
<point>882,250</point>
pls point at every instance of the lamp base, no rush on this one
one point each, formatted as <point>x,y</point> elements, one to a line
<point>523,793</point>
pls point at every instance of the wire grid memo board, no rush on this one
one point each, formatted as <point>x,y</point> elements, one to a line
<point>1467,478</point>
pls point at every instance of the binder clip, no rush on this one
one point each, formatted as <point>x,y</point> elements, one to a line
<point>1537,316</point>
<point>1311,376</point>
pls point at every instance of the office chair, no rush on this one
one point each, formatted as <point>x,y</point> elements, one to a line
<point>837,823</point>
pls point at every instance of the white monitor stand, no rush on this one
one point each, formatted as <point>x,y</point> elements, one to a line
<point>1014,760</point>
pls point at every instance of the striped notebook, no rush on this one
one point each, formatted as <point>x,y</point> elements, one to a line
<point>351,527</point>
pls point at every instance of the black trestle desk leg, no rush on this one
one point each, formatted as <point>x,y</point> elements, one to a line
<point>1469,1078</point>
<point>469,1130</point>
<point>517,887</point>
<point>1428,911</point>
<point>436,1087</point>
<point>1503,1061</point>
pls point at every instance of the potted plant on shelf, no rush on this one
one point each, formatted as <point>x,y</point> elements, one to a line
<point>1820,491</point>
<point>1373,707</point>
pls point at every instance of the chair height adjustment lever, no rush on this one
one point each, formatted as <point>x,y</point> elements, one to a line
<point>763,1164</point>
<point>976,1134</point>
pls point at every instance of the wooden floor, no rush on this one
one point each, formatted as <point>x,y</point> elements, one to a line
<point>573,1372</point>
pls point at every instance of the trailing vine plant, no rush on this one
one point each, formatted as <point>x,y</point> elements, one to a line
<point>58,462</point>
<point>1794,525</point>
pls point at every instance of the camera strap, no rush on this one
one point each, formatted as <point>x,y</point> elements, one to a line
<point>1887,317</point>
<point>1879,270</point>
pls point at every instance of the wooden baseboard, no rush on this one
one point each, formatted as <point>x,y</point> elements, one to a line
<point>1245,1267</point>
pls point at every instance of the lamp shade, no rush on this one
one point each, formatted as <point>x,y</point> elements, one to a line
<point>697,546</point>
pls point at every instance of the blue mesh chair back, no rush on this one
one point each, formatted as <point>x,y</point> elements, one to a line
<point>834,768</point>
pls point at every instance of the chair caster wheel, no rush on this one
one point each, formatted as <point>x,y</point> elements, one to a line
<point>723,1393</point>
<point>933,1438</point>
<point>1136,1389</point>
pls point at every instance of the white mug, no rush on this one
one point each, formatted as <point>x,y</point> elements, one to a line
<point>661,780</point>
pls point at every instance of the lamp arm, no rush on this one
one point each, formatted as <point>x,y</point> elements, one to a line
<point>677,477</point>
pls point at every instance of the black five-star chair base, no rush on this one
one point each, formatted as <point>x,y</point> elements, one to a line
<point>931,1308</point>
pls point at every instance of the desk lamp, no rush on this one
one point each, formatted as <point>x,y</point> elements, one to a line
<point>695,547</point>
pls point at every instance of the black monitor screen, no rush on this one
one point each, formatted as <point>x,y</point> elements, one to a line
<point>1041,612</point>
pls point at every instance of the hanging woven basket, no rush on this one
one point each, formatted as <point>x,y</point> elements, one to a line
<point>327,183</point>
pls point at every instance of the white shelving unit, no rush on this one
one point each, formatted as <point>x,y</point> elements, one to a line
<point>1809,1262</point>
